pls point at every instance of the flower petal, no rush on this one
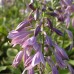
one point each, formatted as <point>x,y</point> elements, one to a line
<point>17,59</point>
<point>38,57</point>
<point>61,52</point>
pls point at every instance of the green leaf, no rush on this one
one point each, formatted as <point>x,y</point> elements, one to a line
<point>15,70</point>
<point>62,71</point>
<point>71,62</point>
<point>3,68</point>
<point>11,52</point>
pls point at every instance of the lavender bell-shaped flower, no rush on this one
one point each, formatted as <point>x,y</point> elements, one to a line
<point>24,24</point>
<point>59,61</point>
<point>34,60</point>
<point>38,57</point>
<point>70,35</point>
<point>17,59</point>
<point>52,65</point>
<point>18,36</point>
<point>29,42</point>
<point>27,62</point>
<point>61,52</point>
<point>49,41</point>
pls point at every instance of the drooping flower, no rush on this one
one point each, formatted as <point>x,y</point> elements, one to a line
<point>29,42</point>
<point>38,57</point>
<point>49,41</point>
<point>50,25</point>
<point>27,61</point>
<point>58,31</point>
<point>70,35</point>
<point>59,61</point>
<point>24,24</point>
<point>61,52</point>
<point>37,30</point>
<point>52,65</point>
<point>17,59</point>
<point>18,36</point>
<point>34,60</point>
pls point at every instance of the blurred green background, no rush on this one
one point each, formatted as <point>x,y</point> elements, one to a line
<point>11,13</point>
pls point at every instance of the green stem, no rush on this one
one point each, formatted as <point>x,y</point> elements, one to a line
<point>63,40</point>
<point>43,41</point>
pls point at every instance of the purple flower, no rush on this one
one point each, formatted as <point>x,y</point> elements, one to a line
<point>70,35</point>
<point>67,20</point>
<point>29,42</point>
<point>50,25</point>
<point>59,61</point>
<point>54,70</point>
<point>49,41</point>
<point>34,60</point>
<point>61,52</point>
<point>18,37</point>
<point>52,65</point>
<point>38,57</point>
<point>37,46</point>
<point>71,69</point>
<point>58,31</point>
<point>37,30</point>
<point>27,59</point>
<point>67,2</point>
<point>24,24</point>
<point>31,71</point>
<point>27,63</point>
<point>17,59</point>
<point>53,14</point>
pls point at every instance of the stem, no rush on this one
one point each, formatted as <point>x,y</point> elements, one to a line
<point>63,40</point>
<point>52,3</point>
<point>43,40</point>
<point>41,65</point>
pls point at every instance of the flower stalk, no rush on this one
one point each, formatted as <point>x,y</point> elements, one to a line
<point>26,36</point>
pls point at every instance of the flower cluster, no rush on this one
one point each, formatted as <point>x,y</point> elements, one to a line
<point>26,36</point>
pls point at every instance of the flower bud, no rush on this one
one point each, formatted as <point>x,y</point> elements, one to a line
<point>36,15</point>
<point>58,31</point>
<point>32,7</point>
<point>49,23</point>
<point>37,30</point>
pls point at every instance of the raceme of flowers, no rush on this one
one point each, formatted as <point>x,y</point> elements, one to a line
<point>27,37</point>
